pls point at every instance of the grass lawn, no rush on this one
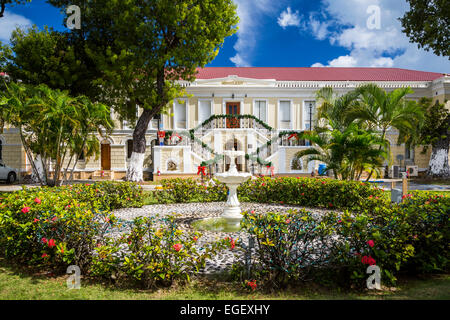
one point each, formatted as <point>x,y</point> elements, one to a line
<point>19,284</point>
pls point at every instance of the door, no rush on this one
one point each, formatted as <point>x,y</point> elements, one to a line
<point>233,108</point>
<point>106,156</point>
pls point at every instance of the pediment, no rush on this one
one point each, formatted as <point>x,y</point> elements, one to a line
<point>235,81</point>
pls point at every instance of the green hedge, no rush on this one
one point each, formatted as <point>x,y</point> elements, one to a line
<point>190,190</point>
<point>309,192</point>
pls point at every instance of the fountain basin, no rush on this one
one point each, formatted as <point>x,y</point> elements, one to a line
<point>216,225</point>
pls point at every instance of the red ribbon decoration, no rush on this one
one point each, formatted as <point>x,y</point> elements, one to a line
<point>176,135</point>
<point>271,168</point>
<point>292,135</point>
<point>161,134</point>
<point>201,170</point>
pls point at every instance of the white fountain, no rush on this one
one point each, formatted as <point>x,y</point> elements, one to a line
<point>232,178</point>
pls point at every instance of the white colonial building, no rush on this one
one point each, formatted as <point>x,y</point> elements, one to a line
<point>256,110</point>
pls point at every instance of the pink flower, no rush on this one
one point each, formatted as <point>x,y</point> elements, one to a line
<point>37,200</point>
<point>26,210</point>
<point>371,243</point>
<point>44,240</point>
<point>177,246</point>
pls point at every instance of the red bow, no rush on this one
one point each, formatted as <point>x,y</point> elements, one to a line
<point>161,134</point>
<point>176,135</point>
<point>201,170</point>
<point>292,135</point>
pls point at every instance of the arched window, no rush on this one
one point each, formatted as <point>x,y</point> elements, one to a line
<point>297,164</point>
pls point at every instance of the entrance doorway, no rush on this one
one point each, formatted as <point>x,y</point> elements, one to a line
<point>106,156</point>
<point>233,108</point>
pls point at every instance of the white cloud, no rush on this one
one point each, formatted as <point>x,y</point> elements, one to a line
<point>252,14</point>
<point>384,47</point>
<point>9,23</point>
<point>288,18</point>
<point>318,28</point>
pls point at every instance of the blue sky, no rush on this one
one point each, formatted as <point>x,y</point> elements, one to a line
<point>294,33</point>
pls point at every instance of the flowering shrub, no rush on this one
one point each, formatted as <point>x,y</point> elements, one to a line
<point>288,246</point>
<point>337,248</point>
<point>109,195</point>
<point>312,192</point>
<point>55,227</point>
<point>154,253</point>
<point>190,190</point>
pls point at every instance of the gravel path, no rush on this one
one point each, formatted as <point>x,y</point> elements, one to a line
<point>190,212</point>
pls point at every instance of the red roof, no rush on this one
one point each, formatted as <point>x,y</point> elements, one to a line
<point>320,74</point>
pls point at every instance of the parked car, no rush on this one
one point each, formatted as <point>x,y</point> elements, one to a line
<point>7,173</point>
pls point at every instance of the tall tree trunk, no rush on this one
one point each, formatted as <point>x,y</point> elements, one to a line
<point>136,165</point>
<point>39,175</point>
<point>438,165</point>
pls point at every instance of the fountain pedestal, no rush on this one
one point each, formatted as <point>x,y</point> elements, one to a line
<point>232,178</point>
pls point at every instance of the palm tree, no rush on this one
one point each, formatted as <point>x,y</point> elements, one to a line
<point>348,153</point>
<point>334,109</point>
<point>380,110</point>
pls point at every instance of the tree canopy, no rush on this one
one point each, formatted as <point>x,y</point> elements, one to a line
<point>426,23</point>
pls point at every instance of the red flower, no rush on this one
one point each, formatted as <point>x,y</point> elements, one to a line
<point>252,284</point>
<point>44,240</point>
<point>195,238</point>
<point>177,247</point>
<point>44,255</point>
<point>62,250</point>
<point>288,220</point>
<point>51,243</point>
<point>330,204</point>
<point>37,200</point>
<point>303,194</point>
<point>54,219</point>
<point>26,210</point>
<point>323,182</point>
<point>368,260</point>
<point>371,243</point>
<point>35,220</point>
